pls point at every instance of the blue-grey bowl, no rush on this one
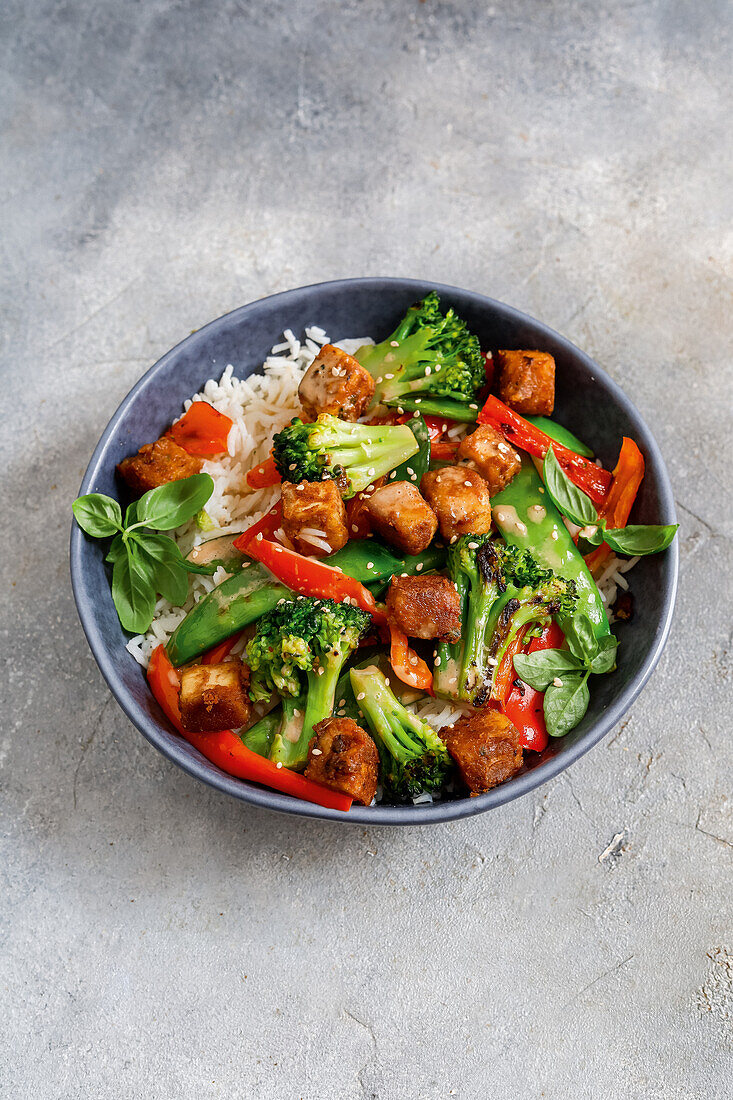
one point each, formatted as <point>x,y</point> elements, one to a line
<point>588,402</point>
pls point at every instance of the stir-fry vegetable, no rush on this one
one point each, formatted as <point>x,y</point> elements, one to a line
<point>202,431</point>
<point>227,751</point>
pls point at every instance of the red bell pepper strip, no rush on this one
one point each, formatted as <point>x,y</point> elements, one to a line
<point>592,479</point>
<point>408,667</point>
<point>266,526</point>
<point>263,476</point>
<point>216,655</point>
<point>616,508</point>
<point>202,430</point>
<point>311,577</point>
<point>505,673</point>
<point>524,706</point>
<point>226,750</point>
<point>442,449</point>
<point>437,426</point>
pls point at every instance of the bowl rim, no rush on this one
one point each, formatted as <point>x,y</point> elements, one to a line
<point>181,753</point>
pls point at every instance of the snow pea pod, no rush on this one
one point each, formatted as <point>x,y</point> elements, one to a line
<point>232,605</point>
<point>527,518</point>
<point>465,412</point>
<point>368,561</point>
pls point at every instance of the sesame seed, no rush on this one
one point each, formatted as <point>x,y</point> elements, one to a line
<point>388,376</point>
<point>557,682</point>
<point>453,538</point>
<point>409,469</point>
<point>413,477</point>
<point>296,713</point>
<point>316,752</point>
<point>473,546</point>
<point>394,343</point>
<point>491,661</point>
<point>472,406</point>
<point>418,567</point>
<point>467,484</point>
<point>542,489</point>
<point>437,661</point>
<point>370,565</point>
<point>292,466</point>
<point>418,400</point>
<point>428,371</point>
<point>554,535</point>
<point>320,671</point>
<point>413,660</point>
<point>299,488</point>
<point>379,380</point>
<point>371,472</point>
<point>279,764</point>
<point>259,536</point>
<point>355,527</point>
<point>444,428</point>
<point>360,696</point>
<point>342,702</point>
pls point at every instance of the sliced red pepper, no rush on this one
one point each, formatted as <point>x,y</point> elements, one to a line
<point>616,508</point>
<point>263,476</point>
<point>216,655</point>
<point>592,479</point>
<point>505,674</point>
<point>408,667</point>
<point>442,449</point>
<point>524,706</point>
<point>227,751</point>
<point>267,526</point>
<point>202,430</point>
<point>311,577</point>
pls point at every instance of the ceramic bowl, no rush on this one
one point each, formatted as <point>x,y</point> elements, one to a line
<point>588,402</point>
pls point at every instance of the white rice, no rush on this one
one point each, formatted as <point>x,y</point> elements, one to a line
<point>259,406</point>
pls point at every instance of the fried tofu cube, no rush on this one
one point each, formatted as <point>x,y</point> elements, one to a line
<point>492,456</point>
<point>425,607</point>
<point>335,383</point>
<point>215,697</point>
<point>343,757</point>
<point>402,517</point>
<point>314,517</point>
<point>485,747</point>
<point>460,499</point>
<point>156,464</point>
<point>527,381</point>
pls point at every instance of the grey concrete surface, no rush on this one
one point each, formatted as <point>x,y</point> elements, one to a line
<point>165,162</point>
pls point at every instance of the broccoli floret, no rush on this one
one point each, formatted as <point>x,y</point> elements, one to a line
<point>429,353</point>
<point>502,590</point>
<point>412,756</point>
<point>299,650</point>
<point>353,455</point>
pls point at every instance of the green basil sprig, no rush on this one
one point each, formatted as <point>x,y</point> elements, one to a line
<point>563,673</point>
<point>636,539</point>
<point>145,562</point>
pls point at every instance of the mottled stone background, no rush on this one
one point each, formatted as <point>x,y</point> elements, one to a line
<point>165,162</point>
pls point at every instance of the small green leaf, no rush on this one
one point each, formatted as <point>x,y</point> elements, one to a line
<point>580,636</point>
<point>566,705</point>
<point>605,659</point>
<point>567,497</point>
<point>540,668</point>
<point>165,561</point>
<point>174,503</point>
<point>99,515</point>
<point>117,549</point>
<point>133,591</point>
<point>641,538</point>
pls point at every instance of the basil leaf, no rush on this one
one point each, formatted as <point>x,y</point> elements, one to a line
<point>566,705</point>
<point>540,668</point>
<point>567,497</point>
<point>117,549</point>
<point>605,658</point>
<point>165,562</point>
<point>641,538</point>
<point>172,504</point>
<point>99,515</point>
<point>419,462</point>
<point>580,637</point>
<point>131,514</point>
<point>132,590</point>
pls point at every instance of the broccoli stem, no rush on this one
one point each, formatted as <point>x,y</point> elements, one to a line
<point>368,454</point>
<point>291,749</point>
<point>449,656</point>
<point>526,614</point>
<point>284,749</point>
